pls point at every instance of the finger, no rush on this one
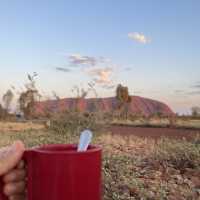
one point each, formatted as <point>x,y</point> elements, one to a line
<point>14,188</point>
<point>17,197</point>
<point>11,157</point>
<point>15,175</point>
<point>21,165</point>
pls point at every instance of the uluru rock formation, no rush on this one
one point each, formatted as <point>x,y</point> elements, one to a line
<point>138,105</point>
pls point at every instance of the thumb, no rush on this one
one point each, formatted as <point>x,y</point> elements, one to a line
<point>10,157</point>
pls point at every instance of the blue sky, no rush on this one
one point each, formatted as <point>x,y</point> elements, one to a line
<point>152,46</point>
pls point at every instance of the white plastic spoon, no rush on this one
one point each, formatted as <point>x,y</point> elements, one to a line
<point>85,139</point>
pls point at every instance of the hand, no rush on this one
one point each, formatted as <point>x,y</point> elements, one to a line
<point>12,171</point>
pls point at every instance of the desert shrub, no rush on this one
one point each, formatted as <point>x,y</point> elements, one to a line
<point>73,122</point>
<point>179,154</point>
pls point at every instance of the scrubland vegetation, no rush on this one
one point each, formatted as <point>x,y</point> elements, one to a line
<point>133,167</point>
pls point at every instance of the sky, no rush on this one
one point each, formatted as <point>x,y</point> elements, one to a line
<point>151,46</point>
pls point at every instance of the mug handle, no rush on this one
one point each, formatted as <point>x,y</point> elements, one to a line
<point>27,157</point>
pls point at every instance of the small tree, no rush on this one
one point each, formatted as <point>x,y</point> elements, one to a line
<point>122,95</point>
<point>195,111</point>
<point>3,113</point>
<point>7,99</point>
<point>28,98</point>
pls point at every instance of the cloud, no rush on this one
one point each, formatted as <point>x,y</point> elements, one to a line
<point>194,93</point>
<point>77,59</point>
<point>104,60</point>
<point>101,75</point>
<point>109,87</point>
<point>138,92</point>
<point>187,93</point>
<point>139,37</point>
<point>87,61</point>
<point>62,69</point>
<point>179,91</point>
<point>128,69</point>
<point>195,89</point>
<point>99,69</point>
<point>196,86</point>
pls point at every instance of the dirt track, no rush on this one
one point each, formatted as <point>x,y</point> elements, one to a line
<point>155,132</point>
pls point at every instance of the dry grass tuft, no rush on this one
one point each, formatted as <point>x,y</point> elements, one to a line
<point>19,126</point>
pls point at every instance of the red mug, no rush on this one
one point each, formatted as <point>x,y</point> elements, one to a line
<point>59,172</point>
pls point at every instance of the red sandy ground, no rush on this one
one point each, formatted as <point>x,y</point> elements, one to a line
<point>156,133</point>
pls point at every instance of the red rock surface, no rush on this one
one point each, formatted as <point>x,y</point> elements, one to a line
<point>138,105</point>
